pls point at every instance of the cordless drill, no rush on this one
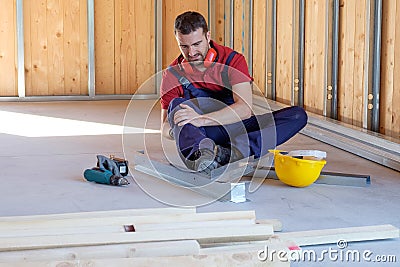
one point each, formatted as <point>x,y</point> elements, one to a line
<point>108,171</point>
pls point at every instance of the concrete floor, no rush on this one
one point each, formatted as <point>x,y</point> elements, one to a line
<point>43,156</point>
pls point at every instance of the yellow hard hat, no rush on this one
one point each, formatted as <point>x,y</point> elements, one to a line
<point>298,168</point>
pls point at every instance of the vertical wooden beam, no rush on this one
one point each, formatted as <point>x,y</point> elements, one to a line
<point>359,53</point>
<point>8,80</point>
<point>284,53</point>
<point>39,51</point>
<point>238,39</point>
<point>315,56</point>
<point>171,9</point>
<point>55,46</point>
<point>219,26</point>
<point>259,45</point>
<point>128,42</point>
<point>71,49</point>
<point>145,37</point>
<point>27,45</point>
<point>104,46</point>
<point>388,85</point>
<point>395,128</point>
<point>83,47</point>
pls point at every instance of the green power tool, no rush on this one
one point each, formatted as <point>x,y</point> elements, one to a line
<point>103,176</point>
<point>108,171</point>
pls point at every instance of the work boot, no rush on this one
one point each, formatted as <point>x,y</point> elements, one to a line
<point>202,160</point>
<point>205,160</point>
<point>225,155</point>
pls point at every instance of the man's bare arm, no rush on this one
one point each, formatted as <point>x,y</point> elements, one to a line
<point>165,127</point>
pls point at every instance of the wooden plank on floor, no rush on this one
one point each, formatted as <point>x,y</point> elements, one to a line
<point>217,234</point>
<point>220,259</point>
<point>67,222</point>
<point>100,214</point>
<point>332,236</point>
<point>150,249</point>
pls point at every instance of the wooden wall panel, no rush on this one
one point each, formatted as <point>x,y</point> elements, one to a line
<point>390,67</point>
<point>104,45</point>
<point>124,45</point>
<point>219,34</point>
<point>55,46</point>
<point>351,61</point>
<point>238,26</point>
<point>284,56</point>
<point>171,9</point>
<point>8,68</point>
<point>314,56</point>
<point>241,32</point>
<point>55,54</point>
<point>259,45</point>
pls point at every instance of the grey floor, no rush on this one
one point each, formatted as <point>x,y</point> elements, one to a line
<point>45,147</point>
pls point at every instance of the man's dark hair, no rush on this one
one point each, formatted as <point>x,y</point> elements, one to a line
<point>189,22</point>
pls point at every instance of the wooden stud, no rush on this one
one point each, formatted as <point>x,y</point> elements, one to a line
<point>332,236</point>
<point>216,234</point>
<point>259,43</point>
<point>225,259</point>
<point>45,224</point>
<point>8,81</point>
<point>284,57</point>
<point>100,214</point>
<point>150,249</point>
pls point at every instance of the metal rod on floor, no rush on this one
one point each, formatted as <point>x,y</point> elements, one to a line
<point>20,48</point>
<point>301,55</point>
<point>376,75</point>
<point>91,55</point>
<point>273,70</point>
<point>335,59</point>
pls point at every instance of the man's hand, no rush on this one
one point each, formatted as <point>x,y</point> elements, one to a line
<point>187,115</point>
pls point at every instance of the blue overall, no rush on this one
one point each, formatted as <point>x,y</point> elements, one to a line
<point>252,136</point>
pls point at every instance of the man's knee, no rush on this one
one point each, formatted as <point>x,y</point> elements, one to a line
<point>174,103</point>
<point>301,116</point>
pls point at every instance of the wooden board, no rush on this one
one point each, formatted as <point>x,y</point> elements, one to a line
<point>219,24</point>
<point>314,56</point>
<point>104,45</point>
<point>390,95</point>
<point>284,51</point>
<point>351,61</point>
<point>55,33</point>
<point>332,236</point>
<point>150,249</point>
<point>171,9</point>
<point>221,259</point>
<point>259,44</point>
<point>37,224</point>
<point>8,80</point>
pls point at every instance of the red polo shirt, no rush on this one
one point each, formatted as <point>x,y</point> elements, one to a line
<point>211,78</point>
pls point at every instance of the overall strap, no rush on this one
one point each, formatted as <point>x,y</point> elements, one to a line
<point>224,73</point>
<point>182,80</point>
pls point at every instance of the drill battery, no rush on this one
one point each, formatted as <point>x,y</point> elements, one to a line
<point>122,165</point>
